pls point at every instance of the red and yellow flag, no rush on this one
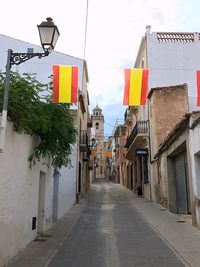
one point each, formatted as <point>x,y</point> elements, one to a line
<point>125,151</point>
<point>93,152</point>
<point>109,153</point>
<point>198,87</point>
<point>65,84</point>
<point>136,83</point>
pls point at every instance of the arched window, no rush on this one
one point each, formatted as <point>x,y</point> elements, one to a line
<point>97,125</point>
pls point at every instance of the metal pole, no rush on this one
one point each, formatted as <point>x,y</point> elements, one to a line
<point>86,22</point>
<point>5,102</point>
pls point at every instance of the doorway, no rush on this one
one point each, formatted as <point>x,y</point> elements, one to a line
<point>197,168</point>
<point>182,185</point>
<point>79,178</point>
<point>145,170</point>
<point>131,176</point>
<point>55,196</point>
<point>41,203</point>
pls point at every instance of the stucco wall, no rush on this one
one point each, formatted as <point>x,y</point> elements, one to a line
<point>67,188</point>
<point>42,67</point>
<point>18,183</point>
<point>172,63</point>
<point>19,193</point>
<point>194,146</point>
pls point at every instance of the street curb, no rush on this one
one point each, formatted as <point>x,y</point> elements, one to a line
<point>180,257</point>
<point>74,213</point>
<point>65,237</point>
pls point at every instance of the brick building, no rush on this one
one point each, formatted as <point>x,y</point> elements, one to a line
<point>167,106</point>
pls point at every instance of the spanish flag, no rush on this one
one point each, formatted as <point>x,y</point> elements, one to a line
<point>109,153</point>
<point>136,83</point>
<point>93,152</point>
<point>198,87</point>
<point>65,84</point>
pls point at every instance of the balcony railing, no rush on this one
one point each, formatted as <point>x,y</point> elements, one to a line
<point>83,141</point>
<point>86,155</point>
<point>141,127</point>
<point>84,146</point>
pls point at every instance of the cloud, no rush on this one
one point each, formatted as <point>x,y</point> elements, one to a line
<point>115,29</point>
<point>114,38</point>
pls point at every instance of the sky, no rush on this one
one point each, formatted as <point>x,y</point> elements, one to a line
<point>114,31</point>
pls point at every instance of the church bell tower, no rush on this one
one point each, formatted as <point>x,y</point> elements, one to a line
<point>98,124</point>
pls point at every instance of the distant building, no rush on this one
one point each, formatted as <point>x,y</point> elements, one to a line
<point>98,124</point>
<point>119,163</point>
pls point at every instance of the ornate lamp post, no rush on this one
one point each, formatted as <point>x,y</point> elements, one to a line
<point>49,34</point>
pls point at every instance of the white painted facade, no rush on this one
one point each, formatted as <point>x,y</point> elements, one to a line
<point>19,193</point>
<point>194,146</point>
<point>41,67</point>
<point>172,58</point>
<point>67,186</point>
<point>22,188</point>
<point>173,61</point>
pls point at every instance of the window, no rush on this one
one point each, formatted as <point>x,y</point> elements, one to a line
<point>97,125</point>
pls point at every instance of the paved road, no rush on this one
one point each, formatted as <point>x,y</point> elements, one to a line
<point>111,233</point>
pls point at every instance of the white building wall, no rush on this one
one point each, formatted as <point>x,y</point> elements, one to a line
<point>41,67</point>
<point>19,186</point>
<point>19,193</point>
<point>194,146</point>
<point>172,63</point>
<point>67,188</point>
<point>18,183</point>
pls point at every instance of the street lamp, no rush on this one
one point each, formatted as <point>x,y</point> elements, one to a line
<point>93,142</point>
<point>49,34</point>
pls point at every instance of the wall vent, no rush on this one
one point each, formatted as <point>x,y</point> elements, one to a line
<point>168,37</point>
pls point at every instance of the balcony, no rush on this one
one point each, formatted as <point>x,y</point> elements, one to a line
<point>83,141</point>
<point>85,156</point>
<point>139,131</point>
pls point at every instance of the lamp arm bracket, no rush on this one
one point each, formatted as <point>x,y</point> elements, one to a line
<point>18,58</point>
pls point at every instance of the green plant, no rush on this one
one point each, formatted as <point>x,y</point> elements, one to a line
<point>32,112</point>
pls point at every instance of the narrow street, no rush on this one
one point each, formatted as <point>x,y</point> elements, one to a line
<point>110,232</point>
<point>100,134</point>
